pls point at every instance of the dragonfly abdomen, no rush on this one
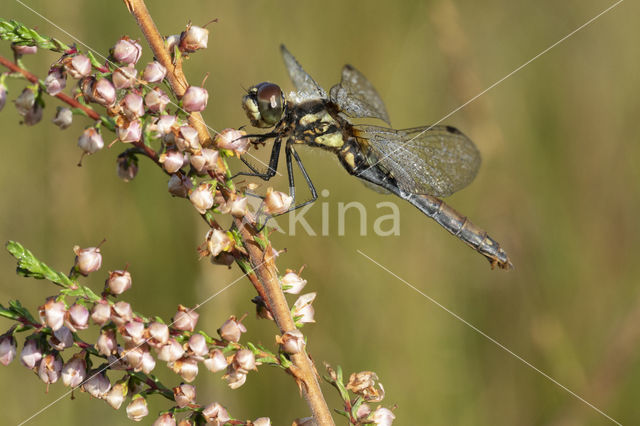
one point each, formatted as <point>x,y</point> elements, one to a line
<point>461,227</point>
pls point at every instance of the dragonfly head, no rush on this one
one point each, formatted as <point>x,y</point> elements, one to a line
<point>264,104</point>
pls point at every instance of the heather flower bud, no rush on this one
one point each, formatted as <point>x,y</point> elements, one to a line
<point>185,319</point>
<point>156,100</point>
<point>127,167</point>
<point>198,345</point>
<point>364,384</point>
<point>118,282</point>
<point>244,360</point>
<point>231,330</point>
<point>34,115</point>
<point>202,197</point>
<point>235,378</point>
<point>170,352</point>
<point>292,341</point>
<point>276,202</point>
<point>101,312</point>
<point>148,363</point>
<point>137,409</point>
<point>165,420</point>
<point>107,343</point>
<point>61,339</point>
<point>130,132</point>
<point>194,38</point>
<point>77,317</point>
<point>122,313</point>
<point>154,72</point>
<point>63,118</point>
<point>195,99</point>
<point>103,92</point>
<point>292,283</point>
<point>382,417</point>
<point>187,368</point>
<point>115,396</point>
<point>218,241</point>
<point>165,124</point>
<point>239,206</point>
<point>125,77</point>
<point>233,140</point>
<point>53,313</point>
<point>216,361</point>
<point>31,353</point>
<point>188,140</point>
<point>132,106</point>
<point>25,102</point>
<point>262,421</point>
<point>21,49</point>
<point>50,368</point>
<point>133,331</point>
<point>180,185</point>
<point>302,311</point>
<point>90,141</point>
<point>172,160</point>
<point>126,51</point>
<point>97,385</point>
<point>184,395</point>
<point>3,95</point>
<point>205,160</point>
<point>215,413</point>
<point>363,412</point>
<point>158,333</point>
<point>8,348</point>
<point>78,66</point>
<point>87,260</point>
<point>74,371</point>
<point>55,81</point>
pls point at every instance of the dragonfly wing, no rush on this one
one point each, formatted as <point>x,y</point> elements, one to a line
<point>304,84</point>
<point>357,97</point>
<point>430,160</point>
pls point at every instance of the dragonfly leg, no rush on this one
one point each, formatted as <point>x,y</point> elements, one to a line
<point>271,168</point>
<point>290,151</point>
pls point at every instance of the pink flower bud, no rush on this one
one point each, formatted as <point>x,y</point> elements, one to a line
<point>198,345</point>
<point>235,378</point>
<point>202,197</point>
<point>115,396</point>
<point>216,361</point>
<point>87,260</point>
<point>363,412</point>
<point>180,185</point>
<point>165,420</point>
<point>231,330</point>
<point>188,140</point>
<point>90,141</point>
<point>148,363</point>
<point>101,312</point>
<point>276,202</point>
<point>165,124</point>
<point>218,241</point>
<point>187,368</point>
<point>292,341</point>
<point>133,332</point>
<point>215,413</point>
<point>125,77</point>
<point>31,353</point>
<point>132,106</point>
<point>156,100</point>
<point>50,368</point>
<point>172,160</point>
<point>170,352</point>
<point>205,160</point>
<point>97,385</point>
<point>34,115</point>
<point>107,343</point>
<point>25,102</point>
<point>55,81</point>
<point>20,49</point>
<point>244,361</point>
<point>239,206</point>
<point>127,167</point>
<point>130,132</point>
<point>262,421</point>
<point>3,95</point>
<point>118,282</point>
<point>126,51</point>
<point>154,72</point>
<point>61,339</point>
<point>103,92</point>
<point>185,319</point>
<point>302,311</point>
<point>8,349</point>
<point>78,66</point>
<point>195,99</point>
<point>63,118</point>
<point>122,313</point>
<point>77,317</point>
<point>159,334</point>
<point>53,313</point>
<point>292,283</point>
<point>74,371</point>
<point>382,417</point>
<point>194,38</point>
<point>184,395</point>
<point>233,140</point>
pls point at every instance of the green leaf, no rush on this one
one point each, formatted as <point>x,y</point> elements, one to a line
<point>18,33</point>
<point>29,266</point>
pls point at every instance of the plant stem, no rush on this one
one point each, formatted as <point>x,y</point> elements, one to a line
<point>262,264</point>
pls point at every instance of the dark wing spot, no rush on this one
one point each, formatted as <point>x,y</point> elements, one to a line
<point>453,130</point>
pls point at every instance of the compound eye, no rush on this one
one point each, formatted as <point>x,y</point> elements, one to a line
<point>270,100</point>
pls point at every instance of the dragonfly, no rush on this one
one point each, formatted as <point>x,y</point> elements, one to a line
<point>419,165</point>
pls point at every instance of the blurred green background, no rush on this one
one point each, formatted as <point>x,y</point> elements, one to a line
<point>559,188</point>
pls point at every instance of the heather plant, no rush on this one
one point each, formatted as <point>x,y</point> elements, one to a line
<point>152,114</point>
